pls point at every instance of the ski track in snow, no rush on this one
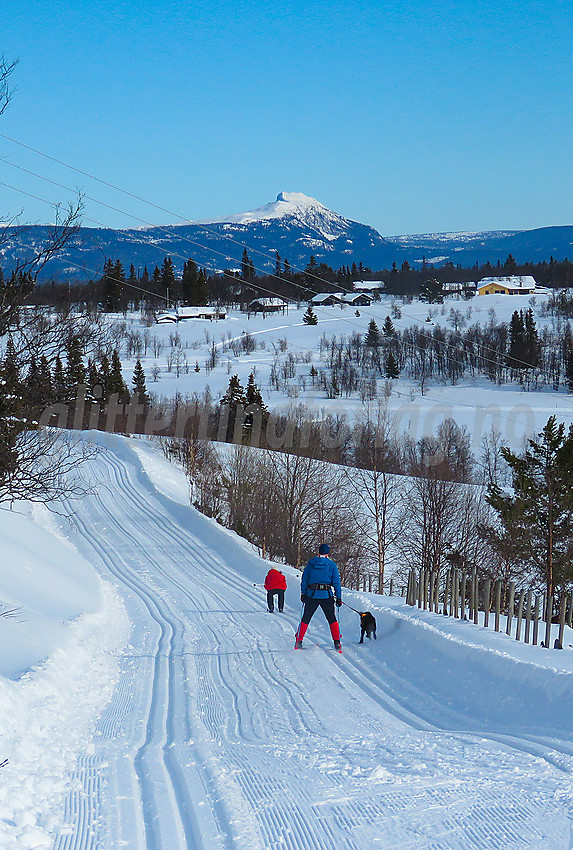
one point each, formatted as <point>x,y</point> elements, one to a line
<point>220,736</point>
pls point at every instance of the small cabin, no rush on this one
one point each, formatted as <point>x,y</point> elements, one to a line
<point>267,305</point>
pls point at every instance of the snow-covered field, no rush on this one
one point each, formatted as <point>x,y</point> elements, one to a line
<point>196,725</point>
<point>476,403</point>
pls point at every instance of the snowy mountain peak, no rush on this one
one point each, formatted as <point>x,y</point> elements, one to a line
<point>298,200</point>
<point>292,204</point>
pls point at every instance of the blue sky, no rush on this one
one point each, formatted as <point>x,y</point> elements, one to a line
<point>408,116</point>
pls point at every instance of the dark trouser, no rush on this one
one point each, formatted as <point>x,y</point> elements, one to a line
<point>327,606</point>
<point>280,601</point>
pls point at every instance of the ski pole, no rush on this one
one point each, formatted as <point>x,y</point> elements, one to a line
<point>337,618</point>
<point>299,620</point>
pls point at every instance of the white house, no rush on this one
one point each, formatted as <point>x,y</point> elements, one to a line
<point>183,313</point>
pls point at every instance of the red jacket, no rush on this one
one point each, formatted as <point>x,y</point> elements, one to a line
<point>275,581</point>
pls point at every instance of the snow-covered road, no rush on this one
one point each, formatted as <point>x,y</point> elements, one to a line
<point>219,735</point>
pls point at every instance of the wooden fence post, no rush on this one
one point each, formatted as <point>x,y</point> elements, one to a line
<point>510,604</point>
<point>519,614</point>
<point>535,621</point>
<point>528,616</point>
<point>497,602</point>
<point>486,601</point>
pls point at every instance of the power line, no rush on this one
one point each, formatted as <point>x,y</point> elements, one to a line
<point>204,227</point>
<point>442,343</point>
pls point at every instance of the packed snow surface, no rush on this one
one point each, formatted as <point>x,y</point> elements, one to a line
<point>207,730</point>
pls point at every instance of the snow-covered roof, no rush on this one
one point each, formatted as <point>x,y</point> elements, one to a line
<point>516,282</point>
<point>188,313</point>
<point>366,285</point>
<point>324,296</point>
<point>269,302</point>
<point>351,297</point>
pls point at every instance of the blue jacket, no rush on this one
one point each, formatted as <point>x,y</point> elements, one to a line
<point>320,570</point>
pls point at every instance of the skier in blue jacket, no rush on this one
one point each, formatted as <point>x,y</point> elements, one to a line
<point>320,587</point>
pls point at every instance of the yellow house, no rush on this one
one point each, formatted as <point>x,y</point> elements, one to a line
<point>509,285</point>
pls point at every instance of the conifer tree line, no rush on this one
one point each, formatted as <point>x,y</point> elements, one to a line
<point>28,391</point>
<point>121,287</point>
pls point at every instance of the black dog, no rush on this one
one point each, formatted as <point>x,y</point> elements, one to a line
<point>367,626</point>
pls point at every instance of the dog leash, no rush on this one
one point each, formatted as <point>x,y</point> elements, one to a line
<point>351,608</point>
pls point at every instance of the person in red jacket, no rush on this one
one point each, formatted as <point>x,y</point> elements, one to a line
<point>275,584</point>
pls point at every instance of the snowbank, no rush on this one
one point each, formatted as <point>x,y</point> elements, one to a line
<point>58,667</point>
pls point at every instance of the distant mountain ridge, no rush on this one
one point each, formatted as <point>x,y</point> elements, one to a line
<point>296,226</point>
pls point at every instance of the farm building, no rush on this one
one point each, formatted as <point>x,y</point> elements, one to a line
<point>267,305</point>
<point>182,313</point>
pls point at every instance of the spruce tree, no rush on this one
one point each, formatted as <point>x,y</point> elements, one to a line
<point>233,405</point>
<point>59,381</point>
<point>372,339</point>
<point>11,413</point>
<point>391,367</point>
<point>94,391</point>
<point>116,384</point>
<point>112,284</point>
<point>310,317</point>
<point>516,356</point>
<point>45,386</point>
<point>139,386</point>
<point>75,373</point>
<point>388,328</point>
<point>536,517</point>
<point>194,284</point>
<point>431,292</point>
<point>103,378</point>
<point>168,276</point>
<point>254,402</point>
<point>31,382</point>
<point>247,266</point>
<point>253,393</point>
<point>531,340</point>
